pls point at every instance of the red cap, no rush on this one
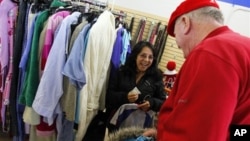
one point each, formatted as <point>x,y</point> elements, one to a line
<point>185,7</point>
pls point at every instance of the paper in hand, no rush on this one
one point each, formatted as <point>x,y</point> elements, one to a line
<point>136,90</point>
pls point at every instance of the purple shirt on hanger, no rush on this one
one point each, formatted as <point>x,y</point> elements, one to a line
<point>5,7</point>
<point>8,12</point>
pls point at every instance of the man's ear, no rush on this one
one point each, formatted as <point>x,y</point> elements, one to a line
<point>186,24</point>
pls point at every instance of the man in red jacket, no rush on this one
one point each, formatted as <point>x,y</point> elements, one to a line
<point>211,94</point>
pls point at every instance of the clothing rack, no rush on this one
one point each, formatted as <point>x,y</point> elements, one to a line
<point>96,3</point>
<point>100,6</point>
<point>121,13</point>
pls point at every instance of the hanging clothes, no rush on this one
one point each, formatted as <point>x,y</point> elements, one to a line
<point>69,98</point>
<point>11,22</point>
<point>53,22</point>
<point>16,111</point>
<point>142,28</point>
<point>126,48</point>
<point>41,26</point>
<point>50,90</point>
<point>153,33</point>
<point>77,75</point>
<point>121,49</point>
<point>45,43</point>
<point>116,53</point>
<point>28,114</point>
<point>162,44</point>
<point>8,14</point>
<point>32,77</point>
<point>96,66</point>
<point>152,26</point>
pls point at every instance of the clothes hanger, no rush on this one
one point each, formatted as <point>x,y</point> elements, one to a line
<point>16,1</point>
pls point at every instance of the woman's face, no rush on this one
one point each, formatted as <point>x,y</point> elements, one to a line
<point>144,59</point>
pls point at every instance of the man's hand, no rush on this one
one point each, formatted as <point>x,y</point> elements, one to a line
<point>151,132</point>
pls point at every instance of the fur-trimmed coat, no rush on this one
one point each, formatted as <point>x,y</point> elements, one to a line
<point>124,134</point>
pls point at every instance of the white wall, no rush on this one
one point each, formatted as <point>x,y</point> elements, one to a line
<point>236,17</point>
<point>161,8</point>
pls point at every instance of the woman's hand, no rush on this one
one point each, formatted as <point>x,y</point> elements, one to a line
<point>144,106</point>
<point>132,97</point>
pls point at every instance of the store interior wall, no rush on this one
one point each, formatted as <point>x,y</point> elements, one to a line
<point>237,17</point>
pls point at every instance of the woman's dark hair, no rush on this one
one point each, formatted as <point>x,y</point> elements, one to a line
<point>130,64</point>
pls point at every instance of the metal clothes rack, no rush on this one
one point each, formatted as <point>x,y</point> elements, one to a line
<point>99,6</point>
<point>95,3</point>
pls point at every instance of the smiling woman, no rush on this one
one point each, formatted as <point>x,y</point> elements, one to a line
<point>144,59</point>
<point>140,71</point>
